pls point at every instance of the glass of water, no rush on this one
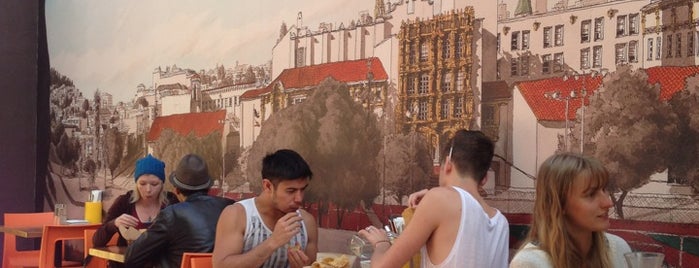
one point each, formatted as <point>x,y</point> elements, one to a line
<point>644,259</point>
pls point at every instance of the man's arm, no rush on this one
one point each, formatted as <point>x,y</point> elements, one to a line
<point>230,230</point>
<point>428,216</point>
<point>296,258</point>
<point>151,243</point>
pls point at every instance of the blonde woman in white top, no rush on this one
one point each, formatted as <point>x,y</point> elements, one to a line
<point>570,217</point>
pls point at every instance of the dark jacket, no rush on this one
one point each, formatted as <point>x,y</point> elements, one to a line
<point>189,226</point>
<point>121,205</point>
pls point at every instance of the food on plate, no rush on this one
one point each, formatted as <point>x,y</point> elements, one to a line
<point>341,261</point>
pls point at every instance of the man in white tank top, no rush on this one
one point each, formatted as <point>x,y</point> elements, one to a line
<point>270,230</point>
<point>452,225</point>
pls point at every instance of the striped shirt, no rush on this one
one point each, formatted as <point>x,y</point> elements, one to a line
<point>256,231</point>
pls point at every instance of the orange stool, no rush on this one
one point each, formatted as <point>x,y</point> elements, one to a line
<point>87,244</point>
<point>10,255</point>
<point>189,257</point>
<point>54,233</point>
<point>202,262</point>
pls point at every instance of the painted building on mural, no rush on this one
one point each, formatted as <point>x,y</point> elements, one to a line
<point>366,80</point>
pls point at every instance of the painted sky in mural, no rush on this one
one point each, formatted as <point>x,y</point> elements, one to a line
<point>134,37</point>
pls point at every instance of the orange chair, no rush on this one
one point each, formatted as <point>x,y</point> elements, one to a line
<point>54,233</point>
<point>202,262</point>
<point>189,257</point>
<point>10,255</point>
<point>87,244</point>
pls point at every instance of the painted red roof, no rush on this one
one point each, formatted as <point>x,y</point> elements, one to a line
<point>254,93</point>
<point>672,79</point>
<point>201,124</point>
<point>534,93</point>
<point>342,71</point>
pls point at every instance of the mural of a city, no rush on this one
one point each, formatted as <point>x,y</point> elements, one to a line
<point>368,91</point>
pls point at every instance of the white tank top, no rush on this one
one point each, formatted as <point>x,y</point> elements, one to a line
<point>256,231</point>
<point>481,241</point>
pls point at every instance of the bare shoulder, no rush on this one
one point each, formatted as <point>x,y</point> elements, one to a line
<point>440,194</point>
<point>306,215</point>
<point>308,218</point>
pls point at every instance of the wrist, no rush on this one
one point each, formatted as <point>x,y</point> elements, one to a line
<point>382,242</point>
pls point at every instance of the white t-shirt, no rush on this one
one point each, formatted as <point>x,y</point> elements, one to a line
<point>532,256</point>
<point>480,242</point>
<point>256,231</point>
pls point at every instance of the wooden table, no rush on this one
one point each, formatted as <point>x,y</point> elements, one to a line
<point>112,253</point>
<point>23,231</point>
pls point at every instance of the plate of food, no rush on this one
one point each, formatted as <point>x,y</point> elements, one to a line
<point>333,260</point>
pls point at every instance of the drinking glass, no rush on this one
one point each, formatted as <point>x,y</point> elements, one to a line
<point>60,214</point>
<point>644,259</point>
<point>360,247</point>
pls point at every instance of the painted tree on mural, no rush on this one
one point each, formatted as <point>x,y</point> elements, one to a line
<point>629,130</point>
<point>114,149</point>
<point>170,147</point>
<point>685,104</point>
<point>339,139</point>
<point>405,163</point>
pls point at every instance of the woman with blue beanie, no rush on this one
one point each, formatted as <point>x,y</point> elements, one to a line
<point>139,207</point>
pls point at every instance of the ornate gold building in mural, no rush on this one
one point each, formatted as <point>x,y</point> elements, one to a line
<point>435,96</point>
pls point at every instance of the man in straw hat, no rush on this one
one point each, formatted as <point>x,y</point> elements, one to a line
<point>189,226</point>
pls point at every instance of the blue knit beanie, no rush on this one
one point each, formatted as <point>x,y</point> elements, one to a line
<point>149,165</point>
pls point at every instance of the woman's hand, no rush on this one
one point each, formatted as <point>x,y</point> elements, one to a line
<point>125,220</point>
<point>374,235</point>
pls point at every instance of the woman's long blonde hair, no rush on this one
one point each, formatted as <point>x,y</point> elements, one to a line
<point>549,229</point>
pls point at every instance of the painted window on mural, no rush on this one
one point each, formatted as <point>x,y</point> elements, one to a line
<point>599,28</point>
<point>621,26</point>
<point>446,82</point>
<point>659,46</point>
<point>597,56</point>
<point>460,45</point>
<point>423,51</point>
<point>546,63</point>
<point>524,65</point>
<point>411,53</point>
<point>585,31</point>
<point>620,53</point>
<point>547,36</point>
<point>633,51</point>
<point>650,49</point>
<point>690,44</point>
<point>525,40</point>
<point>514,43</point>
<point>678,45</point>
<point>668,44</point>
<point>300,56</point>
<point>411,86</point>
<point>422,113</point>
<point>559,35</point>
<point>585,58</point>
<point>558,62</point>
<point>514,66</point>
<point>445,109</point>
<point>458,107</point>
<point>633,24</point>
<point>424,84</point>
<point>446,48</point>
<point>460,81</point>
